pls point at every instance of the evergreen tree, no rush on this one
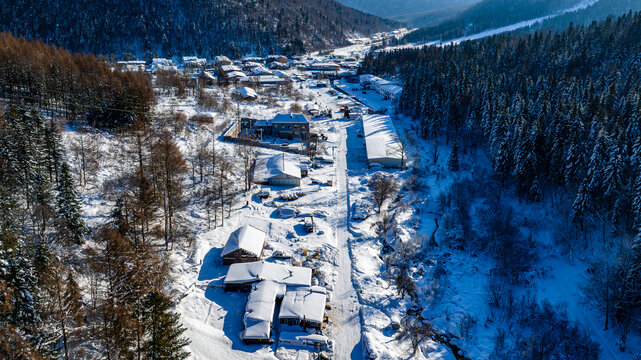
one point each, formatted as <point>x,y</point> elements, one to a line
<point>71,227</point>
<point>453,161</point>
<point>163,328</point>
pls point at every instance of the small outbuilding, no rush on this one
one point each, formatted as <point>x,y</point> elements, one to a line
<point>246,93</point>
<point>278,170</point>
<point>246,244</point>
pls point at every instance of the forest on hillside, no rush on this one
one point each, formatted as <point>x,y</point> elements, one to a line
<point>488,14</point>
<point>559,116</point>
<point>175,28</point>
<point>79,86</point>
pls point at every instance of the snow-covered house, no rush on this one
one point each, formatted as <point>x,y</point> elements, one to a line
<point>290,126</point>
<point>241,276</point>
<point>207,77</point>
<point>259,312</point>
<point>303,307</point>
<point>194,62</point>
<point>277,170</point>
<point>264,80</point>
<point>163,64</point>
<point>323,66</point>
<point>246,93</point>
<point>381,141</point>
<point>366,79</point>
<point>222,60</point>
<point>131,65</point>
<point>246,244</point>
<point>234,76</point>
<point>277,58</point>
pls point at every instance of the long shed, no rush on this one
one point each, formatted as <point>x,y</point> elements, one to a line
<point>381,141</point>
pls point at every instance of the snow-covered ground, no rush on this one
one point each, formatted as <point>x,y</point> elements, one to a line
<point>365,303</point>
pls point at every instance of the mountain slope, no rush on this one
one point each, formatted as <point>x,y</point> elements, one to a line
<point>177,27</point>
<point>404,9</point>
<point>595,12</point>
<point>483,16</point>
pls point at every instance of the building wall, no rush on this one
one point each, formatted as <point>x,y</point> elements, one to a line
<point>387,162</point>
<point>284,180</point>
<point>239,256</point>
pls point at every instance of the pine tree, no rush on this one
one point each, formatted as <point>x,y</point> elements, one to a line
<point>453,161</point>
<point>580,206</point>
<point>71,227</point>
<point>163,328</point>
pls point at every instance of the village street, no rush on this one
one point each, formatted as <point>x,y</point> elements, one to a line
<point>346,317</point>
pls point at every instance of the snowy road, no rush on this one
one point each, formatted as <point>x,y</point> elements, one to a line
<point>346,313</point>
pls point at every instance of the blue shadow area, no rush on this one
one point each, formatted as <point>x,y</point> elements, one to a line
<point>212,266</point>
<point>234,304</point>
<point>356,151</point>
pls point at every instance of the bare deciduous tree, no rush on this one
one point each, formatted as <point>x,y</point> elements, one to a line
<point>383,187</point>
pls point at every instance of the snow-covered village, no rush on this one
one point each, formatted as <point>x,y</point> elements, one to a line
<point>320,179</point>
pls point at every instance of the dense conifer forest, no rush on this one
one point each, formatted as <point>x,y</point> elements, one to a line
<point>485,15</point>
<point>559,115</point>
<point>175,28</point>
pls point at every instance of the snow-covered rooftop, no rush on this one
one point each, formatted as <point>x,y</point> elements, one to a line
<point>247,92</point>
<point>247,238</point>
<point>229,68</point>
<point>381,138</point>
<point>306,303</point>
<point>259,310</point>
<point>235,74</point>
<point>290,118</point>
<point>267,168</point>
<point>240,273</point>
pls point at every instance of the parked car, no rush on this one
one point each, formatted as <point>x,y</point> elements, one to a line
<point>263,195</point>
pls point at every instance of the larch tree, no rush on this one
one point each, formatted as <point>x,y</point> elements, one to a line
<point>169,167</point>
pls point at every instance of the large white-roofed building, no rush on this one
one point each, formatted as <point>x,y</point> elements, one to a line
<point>241,276</point>
<point>381,141</point>
<point>245,244</point>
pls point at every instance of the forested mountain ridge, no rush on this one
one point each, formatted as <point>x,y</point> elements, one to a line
<point>598,11</point>
<point>175,27</point>
<point>559,115</point>
<point>489,14</point>
<point>404,8</point>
